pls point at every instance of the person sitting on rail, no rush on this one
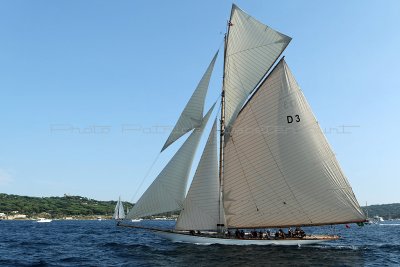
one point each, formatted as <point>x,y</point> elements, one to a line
<point>302,233</point>
<point>237,233</point>
<point>268,234</point>
<point>281,234</point>
<point>290,233</point>
<point>254,233</point>
<point>297,232</point>
<point>260,234</point>
<point>228,234</point>
<point>242,234</point>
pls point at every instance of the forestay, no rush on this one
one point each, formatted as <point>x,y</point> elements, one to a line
<point>202,203</point>
<point>167,191</point>
<point>279,169</point>
<point>192,114</point>
<point>252,48</point>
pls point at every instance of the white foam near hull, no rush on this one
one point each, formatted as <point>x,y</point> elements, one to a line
<point>195,239</point>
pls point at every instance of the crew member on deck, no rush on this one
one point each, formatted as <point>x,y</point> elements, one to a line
<point>281,234</point>
<point>290,233</point>
<point>260,234</point>
<point>237,233</point>
<point>268,234</point>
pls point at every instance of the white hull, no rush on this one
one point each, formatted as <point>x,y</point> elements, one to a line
<point>177,237</point>
<point>44,220</point>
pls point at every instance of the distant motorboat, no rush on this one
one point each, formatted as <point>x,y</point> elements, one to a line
<point>136,220</point>
<point>378,219</point>
<point>44,220</point>
<point>375,220</point>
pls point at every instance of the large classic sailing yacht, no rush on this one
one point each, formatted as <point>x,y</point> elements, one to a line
<point>274,167</point>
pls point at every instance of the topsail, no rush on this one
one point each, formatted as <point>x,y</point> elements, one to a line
<point>252,48</point>
<point>192,114</point>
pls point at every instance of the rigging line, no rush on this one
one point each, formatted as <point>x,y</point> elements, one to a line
<point>144,178</point>
<point>245,176</point>
<point>221,43</point>
<point>219,108</point>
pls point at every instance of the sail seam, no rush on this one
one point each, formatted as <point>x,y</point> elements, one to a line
<point>244,174</point>
<point>256,47</point>
<point>276,163</point>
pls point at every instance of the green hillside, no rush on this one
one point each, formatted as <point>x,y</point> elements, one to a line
<point>66,206</point>
<point>57,207</point>
<point>387,211</point>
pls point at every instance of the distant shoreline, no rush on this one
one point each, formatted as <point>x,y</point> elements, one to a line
<point>82,208</point>
<point>74,218</point>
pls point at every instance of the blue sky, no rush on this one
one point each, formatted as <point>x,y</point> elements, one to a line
<point>86,87</point>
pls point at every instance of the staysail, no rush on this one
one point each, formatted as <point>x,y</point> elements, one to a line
<point>201,206</point>
<point>251,50</point>
<point>167,191</point>
<point>192,114</point>
<point>119,212</point>
<point>279,169</point>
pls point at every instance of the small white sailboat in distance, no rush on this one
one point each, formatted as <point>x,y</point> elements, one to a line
<point>119,213</point>
<point>274,169</point>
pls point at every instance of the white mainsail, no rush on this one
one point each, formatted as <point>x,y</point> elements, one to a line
<point>251,50</point>
<point>167,192</point>
<point>192,114</point>
<point>119,212</point>
<point>279,169</point>
<point>201,206</point>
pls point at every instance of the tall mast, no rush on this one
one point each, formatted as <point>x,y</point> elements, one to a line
<point>222,132</point>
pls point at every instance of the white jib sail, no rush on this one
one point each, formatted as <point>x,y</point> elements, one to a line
<point>252,48</point>
<point>192,114</point>
<point>279,169</point>
<point>201,206</point>
<point>167,192</point>
<point>119,212</point>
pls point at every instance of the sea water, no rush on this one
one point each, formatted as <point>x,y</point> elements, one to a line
<point>102,243</point>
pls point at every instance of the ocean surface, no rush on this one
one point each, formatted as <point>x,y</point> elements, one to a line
<point>102,243</point>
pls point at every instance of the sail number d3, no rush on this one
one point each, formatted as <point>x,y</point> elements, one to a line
<point>295,118</point>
